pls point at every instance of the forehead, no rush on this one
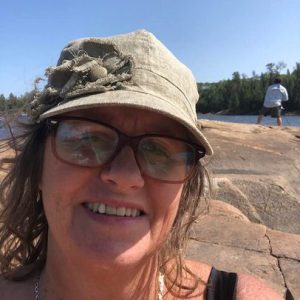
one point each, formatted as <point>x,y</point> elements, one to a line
<point>134,121</point>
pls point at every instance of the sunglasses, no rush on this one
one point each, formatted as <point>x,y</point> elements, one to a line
<point>87,143</point>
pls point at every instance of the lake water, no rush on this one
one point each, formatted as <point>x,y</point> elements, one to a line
<point>251,119</point>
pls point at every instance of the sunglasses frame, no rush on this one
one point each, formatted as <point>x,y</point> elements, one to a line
<point>124,140</point>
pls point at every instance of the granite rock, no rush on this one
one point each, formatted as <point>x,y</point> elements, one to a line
<point>257,169</point>
<point>235,244</point>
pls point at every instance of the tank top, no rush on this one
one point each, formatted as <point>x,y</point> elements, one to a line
<point>222,286</point>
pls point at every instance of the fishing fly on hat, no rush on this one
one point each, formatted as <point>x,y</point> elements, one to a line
<point>133,69</point>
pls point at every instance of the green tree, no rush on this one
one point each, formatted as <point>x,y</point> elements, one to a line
<point>242,95</point>
<point>2,102</point>
<point>296,88</point>
<point>12,101</point>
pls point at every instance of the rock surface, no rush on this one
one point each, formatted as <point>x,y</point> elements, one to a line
<point>227,240</point>
<point>257,170</point>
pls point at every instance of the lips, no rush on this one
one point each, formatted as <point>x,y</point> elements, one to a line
<point>104,209</point>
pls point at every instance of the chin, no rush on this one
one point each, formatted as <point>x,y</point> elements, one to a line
<point>109,254</point>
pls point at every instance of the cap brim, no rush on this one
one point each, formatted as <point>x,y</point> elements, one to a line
<point>133,99</point>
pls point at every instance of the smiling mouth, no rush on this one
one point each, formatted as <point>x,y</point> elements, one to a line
<point>104,209</point>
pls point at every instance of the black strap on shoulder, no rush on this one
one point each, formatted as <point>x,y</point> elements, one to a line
<point>288,295</point>
<point>221,285</point>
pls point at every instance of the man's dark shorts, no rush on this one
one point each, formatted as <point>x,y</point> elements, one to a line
<point>274,112</point>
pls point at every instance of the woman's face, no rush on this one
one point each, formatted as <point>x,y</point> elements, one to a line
<point>68,190</point>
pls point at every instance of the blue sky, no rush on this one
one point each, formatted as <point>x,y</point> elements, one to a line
<point>214,38</point>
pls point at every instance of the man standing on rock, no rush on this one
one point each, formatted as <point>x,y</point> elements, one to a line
<point>276,93</point>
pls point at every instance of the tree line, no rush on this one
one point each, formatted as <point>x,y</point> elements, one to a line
<point>239,95</point>
<point>243,95</point>
<point>13,103</point>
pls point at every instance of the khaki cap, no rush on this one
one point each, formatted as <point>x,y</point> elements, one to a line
<point>133,69</point>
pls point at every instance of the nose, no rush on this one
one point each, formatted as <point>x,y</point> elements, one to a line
<point>123,172</point>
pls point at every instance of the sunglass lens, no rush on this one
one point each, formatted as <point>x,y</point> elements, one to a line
<point>85,143</point>
<point>166,158</point>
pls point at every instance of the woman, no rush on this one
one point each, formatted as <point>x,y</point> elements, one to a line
<point>107,181</point>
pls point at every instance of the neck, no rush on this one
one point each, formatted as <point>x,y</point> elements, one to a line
<point>66,280</point>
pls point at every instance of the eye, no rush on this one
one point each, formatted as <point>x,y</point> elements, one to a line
<point>85,143</point>
<point>102,147</point>
<point>154,152</point>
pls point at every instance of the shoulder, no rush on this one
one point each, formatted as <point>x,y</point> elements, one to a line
<point>21,290</point>
<point>282,88</point>
<point>250,287</point>
<point>200,269</point>
<point>198,287</point>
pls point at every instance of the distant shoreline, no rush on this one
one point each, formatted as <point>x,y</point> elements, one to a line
<point>288,119</point>
<point>226,113</point>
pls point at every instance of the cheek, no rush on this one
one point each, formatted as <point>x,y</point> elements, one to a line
<point>53,186</point>
<point>60,181</point>
<point>167,195</point>
<point>165,202</point>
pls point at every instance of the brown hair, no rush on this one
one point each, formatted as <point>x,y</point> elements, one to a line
<point>24,228</point>
<point>277,80</point>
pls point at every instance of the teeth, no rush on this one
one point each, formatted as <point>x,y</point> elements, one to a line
<point>95,207</point>
<point>113,211</point>
<point>101,208</point>
<point>121,211</point>
<point>128,212</point>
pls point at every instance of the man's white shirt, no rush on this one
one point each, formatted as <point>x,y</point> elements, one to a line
<point>276,93</point>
